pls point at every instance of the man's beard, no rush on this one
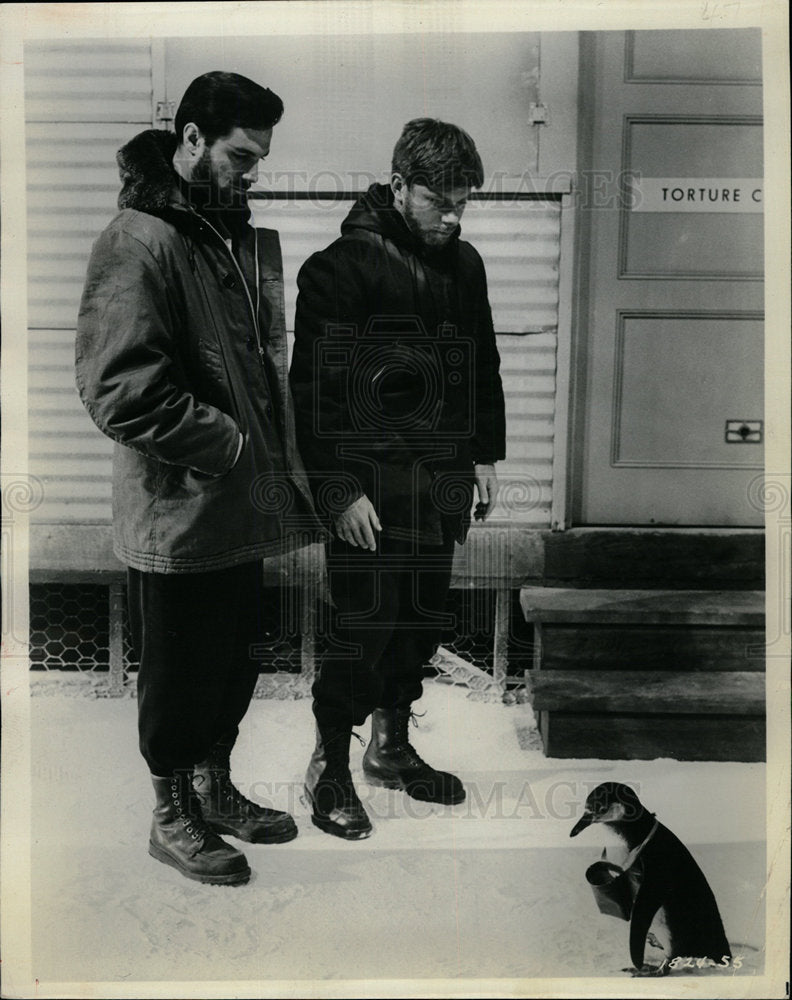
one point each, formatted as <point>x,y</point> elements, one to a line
<point>430,239</point>
<point>205,193</point>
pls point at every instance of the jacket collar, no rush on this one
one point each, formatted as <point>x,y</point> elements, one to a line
<point>148,180</point>
<point>150,184</point>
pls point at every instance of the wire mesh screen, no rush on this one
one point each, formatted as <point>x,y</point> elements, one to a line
<point>72,646</point>
<point>69,627</point>
<point>472,631</point>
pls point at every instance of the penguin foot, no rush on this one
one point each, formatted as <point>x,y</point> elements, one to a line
<point>648,970</point>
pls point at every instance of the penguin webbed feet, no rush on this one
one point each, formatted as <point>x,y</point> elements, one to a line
<point>647,970</point>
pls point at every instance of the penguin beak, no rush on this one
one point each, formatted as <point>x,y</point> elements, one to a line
<point>585,820</point>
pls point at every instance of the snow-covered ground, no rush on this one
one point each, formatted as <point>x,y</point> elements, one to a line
<point>490,889</point>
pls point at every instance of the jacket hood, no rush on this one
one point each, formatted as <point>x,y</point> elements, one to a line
<point>374,211</point>
<point>145,164</point>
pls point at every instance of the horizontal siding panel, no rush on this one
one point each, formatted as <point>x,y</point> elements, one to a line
<point>526,320</point>
<point>48,446</point>
<point>527,406</point>
<point>78,488</point>
<point>536,451</point>
<point>79,83</point>
<point>83,101</point>
<point>85,469</point>
<point>522,497</point>
<point>62,512</point>
<point>518,241</point>
<point>66,450</point>
<point>50,381</point>
<point>122,108</point>
<point>519,367</point>
<point>68,436</point>
<point>72,193</point>
<point>519,245</point>
<point>533,296</point>
<point>84,57</point>
<point>536,386</point>
<point>541,429</point>
<point>57,198</point>
<point>518,346</point>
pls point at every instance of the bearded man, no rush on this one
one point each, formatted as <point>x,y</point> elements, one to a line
<point>181,360</point>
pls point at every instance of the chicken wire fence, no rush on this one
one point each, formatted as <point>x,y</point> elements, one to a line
<point>80,641</point>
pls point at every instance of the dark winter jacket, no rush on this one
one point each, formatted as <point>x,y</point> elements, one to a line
<point>395,374</point>
<point>173,361</point>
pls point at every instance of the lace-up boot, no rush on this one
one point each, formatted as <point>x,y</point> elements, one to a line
<point>392,762</point>
<point>226,810</point>
<point>335,806</point>
<point>180,837</point>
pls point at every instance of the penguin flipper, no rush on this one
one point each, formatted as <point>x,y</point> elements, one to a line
<point>644,909</point>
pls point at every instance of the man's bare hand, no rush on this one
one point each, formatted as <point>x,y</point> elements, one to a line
<point>358,523</point>
<point>487,489</point>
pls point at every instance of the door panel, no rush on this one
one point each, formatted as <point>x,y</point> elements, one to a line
<point>701,243</point>
<point>674,340</point>
<point>651,349</point>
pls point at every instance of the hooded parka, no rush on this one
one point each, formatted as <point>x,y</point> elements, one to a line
<point>395,374</point>
<point>183,363</point>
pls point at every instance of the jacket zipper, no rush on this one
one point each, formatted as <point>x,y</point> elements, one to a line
<point>253,311</point>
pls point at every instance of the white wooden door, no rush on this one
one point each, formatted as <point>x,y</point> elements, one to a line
<point>671,394</point>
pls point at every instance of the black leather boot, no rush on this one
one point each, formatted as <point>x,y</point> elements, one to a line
<point>335,806</point>
<point>390,761</point>
<point>226,810</point>
<point>180,837</point>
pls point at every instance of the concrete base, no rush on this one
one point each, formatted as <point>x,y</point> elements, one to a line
<point>500,555</point>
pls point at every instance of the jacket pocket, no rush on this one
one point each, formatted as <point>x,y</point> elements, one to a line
<point>178,484</point>
<point>215,381</point>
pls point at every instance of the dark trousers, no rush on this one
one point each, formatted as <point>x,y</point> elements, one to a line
<point>195,636</point>
<point>389,619</point>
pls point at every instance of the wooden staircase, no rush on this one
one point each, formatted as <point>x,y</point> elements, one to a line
<point>623,674</point>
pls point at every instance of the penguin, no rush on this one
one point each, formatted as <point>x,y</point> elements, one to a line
<point>673,891</point>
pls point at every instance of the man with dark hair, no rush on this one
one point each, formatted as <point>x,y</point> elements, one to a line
<point>400,412</point>
<point>181,360</point>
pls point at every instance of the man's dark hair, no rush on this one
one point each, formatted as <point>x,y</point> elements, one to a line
<point>437,155</point>
<point>219,102</point>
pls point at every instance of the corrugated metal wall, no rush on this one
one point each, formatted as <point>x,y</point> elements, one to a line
<point>82,103</point>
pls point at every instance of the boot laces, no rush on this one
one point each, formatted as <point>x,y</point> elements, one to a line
<point>229,791</point>
<point>405,717</point>
<point>188,812</point>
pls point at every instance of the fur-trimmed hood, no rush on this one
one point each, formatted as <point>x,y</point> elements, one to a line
<point>148,180</point>
<point>164,366</point>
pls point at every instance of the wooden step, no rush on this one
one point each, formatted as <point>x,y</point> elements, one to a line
<point>646,607</point>
<point>629,715</point>
<point>645,629</point>
<point>648,673</point>
<point>648,692</point>
<point>690,558</point>
<point>572,646</point>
